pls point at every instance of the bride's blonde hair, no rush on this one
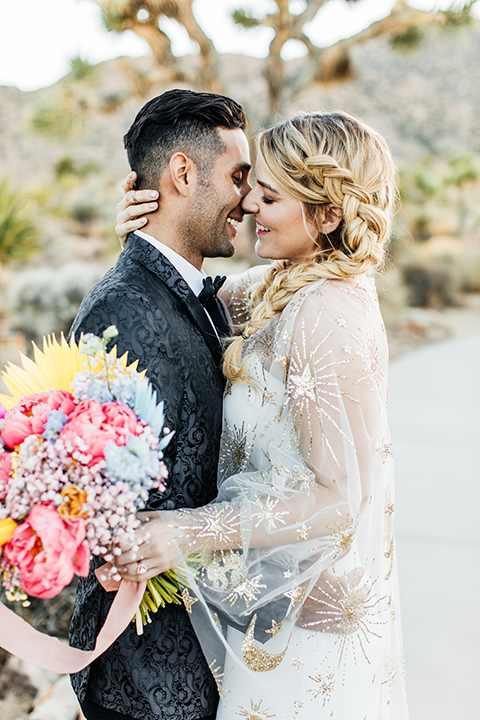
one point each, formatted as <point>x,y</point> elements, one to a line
<point>321,158</point>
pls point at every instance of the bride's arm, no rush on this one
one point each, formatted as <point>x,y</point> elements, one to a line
<point>311,499</point>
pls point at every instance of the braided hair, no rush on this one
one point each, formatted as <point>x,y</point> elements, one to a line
<point>322,158</point>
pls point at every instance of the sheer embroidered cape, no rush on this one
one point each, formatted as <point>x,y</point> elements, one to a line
<point>292,578</point>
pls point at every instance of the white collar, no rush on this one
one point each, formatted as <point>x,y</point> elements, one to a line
<point>192,276</point>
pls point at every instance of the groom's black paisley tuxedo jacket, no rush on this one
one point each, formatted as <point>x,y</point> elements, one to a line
<point>163,673</point>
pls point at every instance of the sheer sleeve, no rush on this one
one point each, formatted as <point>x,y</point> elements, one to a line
<point>305,437</point>
<point>236,292</point>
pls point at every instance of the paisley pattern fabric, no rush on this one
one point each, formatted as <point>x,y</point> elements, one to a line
<point>293,590</point>
<point>162,674</point>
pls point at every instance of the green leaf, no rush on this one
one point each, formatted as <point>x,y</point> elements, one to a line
<point>245,19</point>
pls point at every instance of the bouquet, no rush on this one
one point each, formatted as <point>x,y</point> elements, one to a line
<point>82,446</point>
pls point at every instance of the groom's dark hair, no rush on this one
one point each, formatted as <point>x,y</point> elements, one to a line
<point>179,121</point>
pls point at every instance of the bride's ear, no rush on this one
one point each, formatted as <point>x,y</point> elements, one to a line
<point>330,216</point>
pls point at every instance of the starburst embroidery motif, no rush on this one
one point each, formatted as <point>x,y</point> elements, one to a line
<point>217,526</point>
<point>297,663</point>
<point>188,600</point>
<point>297,706</point>
<point>219,677</point>
<point>371,355</point>
<point>323,686</point>
<point>267,513</point>
<point>256,712</point>
<point>248,591</point>
<point>349,607</point>
<point>237,444</point>
<point>303,532</point>
<point>342,535</point>
<point>225,570</point>
<point>385,451</point>
<point>262,343</point>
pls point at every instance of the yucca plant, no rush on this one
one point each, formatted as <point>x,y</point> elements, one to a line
<point>19,233</point>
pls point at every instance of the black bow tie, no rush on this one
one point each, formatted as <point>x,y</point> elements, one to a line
<point>210,289</point>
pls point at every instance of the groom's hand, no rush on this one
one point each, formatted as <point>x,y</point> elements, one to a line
<point>152,553</point>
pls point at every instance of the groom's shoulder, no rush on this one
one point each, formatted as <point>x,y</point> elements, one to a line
<point>130,277</point>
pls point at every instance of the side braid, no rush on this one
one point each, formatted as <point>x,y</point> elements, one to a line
<point>323,158</point>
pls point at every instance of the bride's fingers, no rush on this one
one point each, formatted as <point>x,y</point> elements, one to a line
<point>129,182</point>
<point>134,199</point>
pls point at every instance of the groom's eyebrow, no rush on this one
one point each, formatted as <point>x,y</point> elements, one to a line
<point>268,187</point>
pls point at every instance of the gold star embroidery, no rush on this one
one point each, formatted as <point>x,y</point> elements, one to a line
<point>385,451</point>
<point>304,384</point>
<point>297,663</point>
<point>296,595</point>
<point>188,600</point>
<point>275,628</point>
<point>254,712</point>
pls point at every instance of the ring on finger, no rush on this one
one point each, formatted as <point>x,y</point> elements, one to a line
<point>141,568</point>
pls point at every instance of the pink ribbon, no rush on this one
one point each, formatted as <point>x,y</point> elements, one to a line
<point>21,639</point>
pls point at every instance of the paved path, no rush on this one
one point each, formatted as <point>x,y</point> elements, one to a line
<point>435,422</point>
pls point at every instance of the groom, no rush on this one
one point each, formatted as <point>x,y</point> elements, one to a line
<point>192,148</point>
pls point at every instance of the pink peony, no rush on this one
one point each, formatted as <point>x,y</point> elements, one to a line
<point>92,426</point>
<point>5,470</point>
<point>30,415</point>
<point>48,550</point>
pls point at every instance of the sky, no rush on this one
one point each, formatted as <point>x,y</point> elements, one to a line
<point>39,37</point>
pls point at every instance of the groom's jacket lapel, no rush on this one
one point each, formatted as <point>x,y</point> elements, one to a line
<point>156,263</point>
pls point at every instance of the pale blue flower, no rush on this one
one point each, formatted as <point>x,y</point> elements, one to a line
<point>55,422</point>
<point>146,408</point>
<point>133,462</point>
<point>90,344</point>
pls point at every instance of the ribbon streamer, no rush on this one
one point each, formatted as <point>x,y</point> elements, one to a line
<point>19,638</point>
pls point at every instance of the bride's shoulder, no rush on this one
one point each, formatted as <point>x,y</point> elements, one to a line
<point>349,297</point>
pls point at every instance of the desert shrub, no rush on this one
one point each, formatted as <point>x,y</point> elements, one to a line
<point>429,285</point>
<point>43,300</point>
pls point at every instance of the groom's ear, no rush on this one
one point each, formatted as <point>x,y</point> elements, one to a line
<point>183,173</point>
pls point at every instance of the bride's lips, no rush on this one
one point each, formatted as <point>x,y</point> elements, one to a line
<point>261,229</point>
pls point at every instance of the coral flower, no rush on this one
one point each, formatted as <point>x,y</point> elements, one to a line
<point>48,551</point>
<point>5,473</point>
<point>92,426</point>
<point>7,528</point>
<point>29,416</point>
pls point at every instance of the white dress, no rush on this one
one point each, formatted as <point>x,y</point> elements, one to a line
<point>292,585</point>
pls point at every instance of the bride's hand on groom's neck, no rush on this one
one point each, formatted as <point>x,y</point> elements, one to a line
<point>133,207</point>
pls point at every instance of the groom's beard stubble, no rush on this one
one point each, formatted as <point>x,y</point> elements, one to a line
<point>204,229</point>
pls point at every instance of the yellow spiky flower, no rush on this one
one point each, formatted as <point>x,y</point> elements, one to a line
<point>51,369</point>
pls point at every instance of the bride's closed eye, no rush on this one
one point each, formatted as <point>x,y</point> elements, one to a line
<point>267,201</point>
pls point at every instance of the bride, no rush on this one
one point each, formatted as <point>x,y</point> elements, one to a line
<point>292,583</point>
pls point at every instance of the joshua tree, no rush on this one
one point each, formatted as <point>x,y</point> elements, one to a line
<point>403,26</point>
<point>143,18</point>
